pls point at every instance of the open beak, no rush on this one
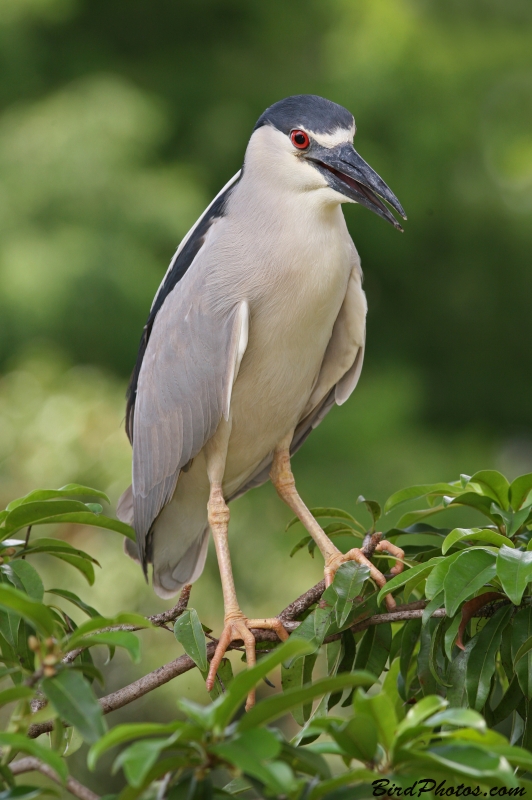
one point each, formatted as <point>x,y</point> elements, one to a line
<point>348,173</point>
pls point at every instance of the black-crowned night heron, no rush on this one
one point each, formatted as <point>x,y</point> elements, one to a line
<point>256,331</point>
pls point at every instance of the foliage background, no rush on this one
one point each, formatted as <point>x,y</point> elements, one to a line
<point>120,120</point>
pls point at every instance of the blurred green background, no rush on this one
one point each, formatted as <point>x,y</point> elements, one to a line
<point>120,119</point>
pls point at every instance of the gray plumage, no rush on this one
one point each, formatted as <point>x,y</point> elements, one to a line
<point>260,320</point>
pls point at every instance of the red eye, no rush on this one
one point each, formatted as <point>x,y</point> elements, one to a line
<point>300,139</point>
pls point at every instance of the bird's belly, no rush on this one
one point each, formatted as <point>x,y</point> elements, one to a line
<point>286,347</point>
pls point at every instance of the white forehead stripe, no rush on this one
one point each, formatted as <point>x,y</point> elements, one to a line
<point>339,136</point>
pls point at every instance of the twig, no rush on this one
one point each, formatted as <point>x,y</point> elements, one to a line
<point>26,540</point>
<point>31,764</point>
<point>179,666</point>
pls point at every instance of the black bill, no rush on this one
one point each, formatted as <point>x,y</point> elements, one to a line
<point>348,173</point>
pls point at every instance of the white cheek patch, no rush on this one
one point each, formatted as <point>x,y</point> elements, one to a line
<point>339,136</point>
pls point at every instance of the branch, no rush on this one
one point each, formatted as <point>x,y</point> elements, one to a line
<point>179,666</point>
<point>31,764</point>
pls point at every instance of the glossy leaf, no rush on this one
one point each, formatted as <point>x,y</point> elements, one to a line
<point>189,632</point>
<point>138,759</point>
<point>34,612</point>
<point>474,534</point>
<point>409,642</point>
<point>17,741</point>
<point>128,641</point>
<point>514,570</point>
<point>373,508</point>
<point>277,706</point>
<point>245,681</point>
<point>75,600</point>
<point>348,582</point>
<point>419,571</point>
<point>521,633</point>
<point>383,714</point>
<point>415,492</point>
<point>70,490</point>
<point>25,577</point>
<point>482,659</point>
<point>469,761</point>
<point>74,701</point>
<point>494,485</point>
<point>411,517</point>
<point>520,488</point>
<point>33,512</point>
<point>127,733</point>
<point>15,693</point>
<point>98,623</point>
<point>332,513</point>
<point>470,572</point>
<point>434,584</point>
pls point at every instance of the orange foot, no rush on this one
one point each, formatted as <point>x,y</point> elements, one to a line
<point>334,561</point>
<point>237,626</point>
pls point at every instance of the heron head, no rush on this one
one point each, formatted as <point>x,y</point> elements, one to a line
<point>305,143</point>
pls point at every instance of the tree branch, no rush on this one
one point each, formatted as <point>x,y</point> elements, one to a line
<point>179,666</point>
<point>31,764</point>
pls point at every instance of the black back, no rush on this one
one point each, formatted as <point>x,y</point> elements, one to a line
<point>178,267</point>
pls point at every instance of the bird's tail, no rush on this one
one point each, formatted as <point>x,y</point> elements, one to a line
<point>180,534</point>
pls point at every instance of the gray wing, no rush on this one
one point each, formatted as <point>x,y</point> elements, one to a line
<point>338,377</point>
<point>184,389</point>
<point>181,384</point>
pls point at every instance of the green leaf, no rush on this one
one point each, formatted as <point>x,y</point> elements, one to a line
<point>475,534</point>
<point>494,485</point>
<point>474,500</point>
<point>294,677</point>
<point>420,571</point>
<point>75,600</point>
<point>33,512</point>
<point>411,517</point>
<point>521,633</point>
<point>247,680</point>
<point>373,508</point>
<point>470,572</point>
<point>81,564</point>
<point>73,699</point>
<point>123,639</point>
<point>25,578</point>
<point>253,754</point>
<point>520,488</point>
<point>425,708</point>
<point>70,490</point>
<point>32,611</point>
<point>414,492</point>
<point>482,659</point>
<point>523,650</point>
<point>514,570</point>
<point>127,733</point>
<point>97,520</point>
<point>470,761</point>
<point>348,582</point>
<point>97,623</point>
<point>277,706</point>
<point>450,636</point>
<point>457,717</point>
<point>189,632</point>
<point>16,693</point>
<point>509,702</point>
<point>358,737</point>
<point>138,759</point>
<point>333,513</point>
<point>412,630</point>
<point>18,742</point>
<point>434,584</point>
<point>374,649</point>
<point>457,694</point>
<point>378,707</point>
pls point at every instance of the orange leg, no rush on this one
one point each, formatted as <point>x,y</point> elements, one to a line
<point>236,625</point>
<point>284,482</point>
